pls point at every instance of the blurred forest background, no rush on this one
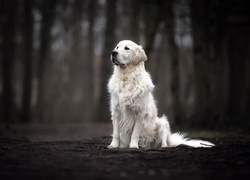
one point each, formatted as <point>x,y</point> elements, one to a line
<point>55,59</point>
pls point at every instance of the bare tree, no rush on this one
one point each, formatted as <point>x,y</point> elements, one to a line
<point>28,50</point>
<point>48,15</point>
<point>109,42</point>
<point>174,59</point>
<point>131,11</point>
<point>89,71</point>
<point>8,44</point>
<point>152,14</point>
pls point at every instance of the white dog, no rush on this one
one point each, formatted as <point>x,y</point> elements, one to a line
<point>133,108</point>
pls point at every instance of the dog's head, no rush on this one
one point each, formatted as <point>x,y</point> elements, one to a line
<point>127,53</point>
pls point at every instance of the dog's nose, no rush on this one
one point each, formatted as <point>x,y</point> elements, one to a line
<point>114,53</point>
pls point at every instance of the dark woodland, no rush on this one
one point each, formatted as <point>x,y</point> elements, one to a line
<point>55,59</point>
<point>55,65</point>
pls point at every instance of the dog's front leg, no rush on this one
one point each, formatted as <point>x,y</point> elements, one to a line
<point>116,135</point>
<point>115,120</point>
<point>125,140</point>
<point>135,136</point>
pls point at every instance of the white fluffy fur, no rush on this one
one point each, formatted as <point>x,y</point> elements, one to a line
<point>132,105</point>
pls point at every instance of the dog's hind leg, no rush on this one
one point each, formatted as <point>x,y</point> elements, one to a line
<point>163,131</point>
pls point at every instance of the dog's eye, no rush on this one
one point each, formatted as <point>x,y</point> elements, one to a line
<point>117,47</point>
<point>126,48</point>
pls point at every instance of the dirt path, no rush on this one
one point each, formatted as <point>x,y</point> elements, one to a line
<point>89,158</point>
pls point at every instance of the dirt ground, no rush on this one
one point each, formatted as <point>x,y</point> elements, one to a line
<point>88,158</point>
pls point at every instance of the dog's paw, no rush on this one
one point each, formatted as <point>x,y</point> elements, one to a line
<point>112,147</point>
<point>134,146</point>
<point>164,145</point>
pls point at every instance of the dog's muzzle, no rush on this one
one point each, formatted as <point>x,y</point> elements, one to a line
<point>114,59</point>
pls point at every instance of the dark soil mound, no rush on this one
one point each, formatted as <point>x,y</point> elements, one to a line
<point>90,159</point>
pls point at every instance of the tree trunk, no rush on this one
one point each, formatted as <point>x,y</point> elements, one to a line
<point>48,15</point>
<point>92,6</point>
<point>153,17</point>
<point>8,46</point>
<point>103,113</point>
<point>130,18</point>
<point>239,87</point>
<point>174,59</point>
<point>28,49</point>
<point>210,65</point>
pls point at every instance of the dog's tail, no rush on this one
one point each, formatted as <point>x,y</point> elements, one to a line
<point>177,139</point>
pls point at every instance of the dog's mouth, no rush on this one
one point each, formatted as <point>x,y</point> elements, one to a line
<point>117,63</point>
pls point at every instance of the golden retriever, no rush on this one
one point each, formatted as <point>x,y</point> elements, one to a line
<point>132,105</point>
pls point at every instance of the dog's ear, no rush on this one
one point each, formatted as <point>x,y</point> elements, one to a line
<point>140,55</point>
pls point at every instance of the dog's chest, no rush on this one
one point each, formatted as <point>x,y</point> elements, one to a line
<point>124,84</point>
<point>127,85</point>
